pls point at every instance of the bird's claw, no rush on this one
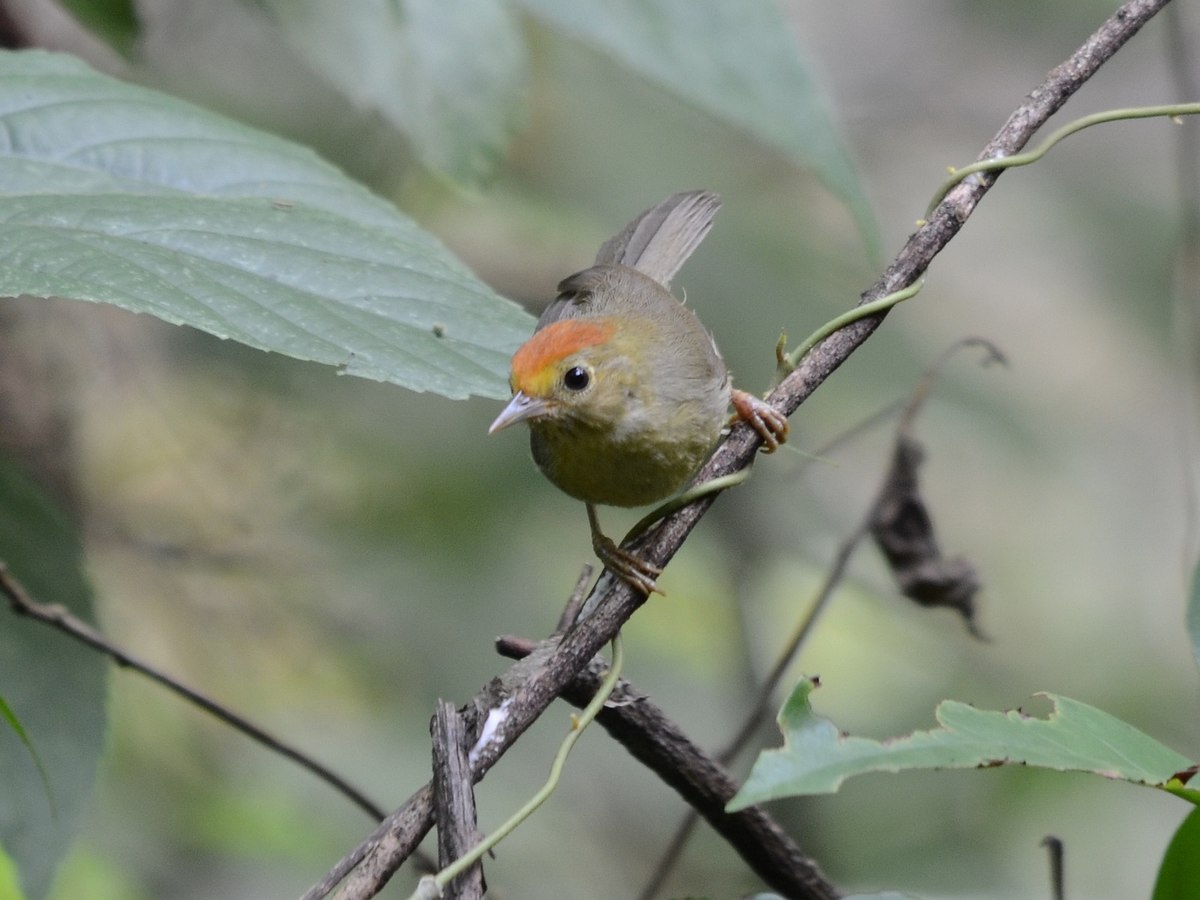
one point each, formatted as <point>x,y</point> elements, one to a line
<point>768,423</point>
<point>634,571</point>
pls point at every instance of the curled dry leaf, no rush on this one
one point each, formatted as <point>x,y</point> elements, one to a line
<point>903,530</point>
<point>900,521</point>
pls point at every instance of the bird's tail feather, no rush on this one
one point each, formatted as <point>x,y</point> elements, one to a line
<point>659,241</point>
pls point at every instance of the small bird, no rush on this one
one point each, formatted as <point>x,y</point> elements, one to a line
<point>624,391</point>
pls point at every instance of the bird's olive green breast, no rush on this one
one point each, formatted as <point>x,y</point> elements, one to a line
<point>596,466</point>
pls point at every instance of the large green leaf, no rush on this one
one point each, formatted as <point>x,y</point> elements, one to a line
<point>118,194</point>
<point>816,757</point>
<point>1179,874</point>
<point>54,687</point>
<point>449,76</point>
<point>737,61</point>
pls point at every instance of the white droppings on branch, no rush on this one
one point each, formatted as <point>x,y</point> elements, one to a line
<point>492,726</point>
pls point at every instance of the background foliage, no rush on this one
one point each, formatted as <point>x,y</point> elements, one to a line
<point>329,555</point>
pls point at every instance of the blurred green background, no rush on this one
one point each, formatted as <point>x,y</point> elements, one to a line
<point>329,556</point>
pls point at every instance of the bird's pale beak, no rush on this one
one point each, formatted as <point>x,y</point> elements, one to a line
<point>521,408</point>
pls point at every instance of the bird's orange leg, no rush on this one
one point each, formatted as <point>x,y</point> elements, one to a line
<point>770,424</point>
<point>635,572</point>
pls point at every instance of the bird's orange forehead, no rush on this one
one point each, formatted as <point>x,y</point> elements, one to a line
<point>533,365</point>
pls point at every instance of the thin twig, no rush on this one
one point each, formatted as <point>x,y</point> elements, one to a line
<point>833,578</point>
<point>60,618</point>
<point>1173,110</point>
<point>762,699</point>
<point>529,686</point>
<point>657,742</point>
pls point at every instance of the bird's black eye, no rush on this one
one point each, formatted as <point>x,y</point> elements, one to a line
<point>576,379</point>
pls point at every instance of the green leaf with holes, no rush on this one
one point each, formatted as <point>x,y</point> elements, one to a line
<point>816,757</point>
